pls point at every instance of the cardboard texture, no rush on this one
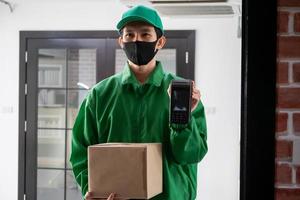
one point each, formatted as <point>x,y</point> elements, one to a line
<point>131,170</point>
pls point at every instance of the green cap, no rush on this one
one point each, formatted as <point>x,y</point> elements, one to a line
<point>141,13</point>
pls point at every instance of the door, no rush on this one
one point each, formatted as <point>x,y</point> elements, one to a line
<point>58,72</point>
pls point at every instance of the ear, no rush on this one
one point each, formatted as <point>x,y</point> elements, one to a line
<point>120,41</point>
<point>161,42</point>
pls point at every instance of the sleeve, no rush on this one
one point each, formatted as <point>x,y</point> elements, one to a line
<point>189,142</point>
<point>84,135</point>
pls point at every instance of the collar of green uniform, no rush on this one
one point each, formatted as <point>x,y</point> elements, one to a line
<point>155,77</point>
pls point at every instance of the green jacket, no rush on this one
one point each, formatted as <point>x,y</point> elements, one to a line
<point>120,109</point>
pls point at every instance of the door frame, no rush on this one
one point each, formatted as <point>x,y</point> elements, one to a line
<point>189,35</point>
<point>258,99</point>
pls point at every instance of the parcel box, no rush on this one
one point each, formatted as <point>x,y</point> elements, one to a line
<point>131,170</point>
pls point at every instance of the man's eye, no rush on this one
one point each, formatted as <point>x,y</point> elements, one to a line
<point>145,34</point>
<point>128,35</point>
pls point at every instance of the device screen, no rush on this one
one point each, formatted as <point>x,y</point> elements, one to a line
<point>181,100</point>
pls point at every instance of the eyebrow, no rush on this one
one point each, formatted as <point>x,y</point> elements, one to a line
<point>143,29</point>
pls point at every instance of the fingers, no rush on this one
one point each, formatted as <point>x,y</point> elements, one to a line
<point>111,196</point>
<point>88,196</point>
<point>196,95</point>
<point>196,92</point>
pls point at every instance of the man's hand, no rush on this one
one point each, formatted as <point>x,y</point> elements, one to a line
<point>89,196</point>
<point>195,95</point>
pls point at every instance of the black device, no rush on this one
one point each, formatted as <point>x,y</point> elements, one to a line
<point>181,101</point>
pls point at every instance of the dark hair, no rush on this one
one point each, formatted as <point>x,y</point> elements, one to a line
<point>157,31</point>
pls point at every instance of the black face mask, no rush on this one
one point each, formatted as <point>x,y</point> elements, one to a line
<point>140,53</point>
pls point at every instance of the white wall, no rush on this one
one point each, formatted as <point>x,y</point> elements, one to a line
<point>218,58</point>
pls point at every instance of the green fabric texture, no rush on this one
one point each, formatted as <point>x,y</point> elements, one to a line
<point>120,109</point>
<point>141,13</point>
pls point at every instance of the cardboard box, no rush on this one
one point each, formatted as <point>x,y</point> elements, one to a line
<point>131,170</point>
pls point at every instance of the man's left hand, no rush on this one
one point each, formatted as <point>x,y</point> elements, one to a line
<point>195,96</point>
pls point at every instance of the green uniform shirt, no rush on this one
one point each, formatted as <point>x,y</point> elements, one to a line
<point>120,109</point>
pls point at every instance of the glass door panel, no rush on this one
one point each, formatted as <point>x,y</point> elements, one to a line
<point>65,75</point>
<point>61,71</point>
<point>168,59</point>
<point>120,60</point>
<point>73,191</point>
<point>75,98</point>
<point>50,184</point>
<point>81,68</point>
<point>51,148</point>
<point>51,108</point>
<point>52,68</point>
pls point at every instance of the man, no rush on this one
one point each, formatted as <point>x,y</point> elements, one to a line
<point>133,106</point>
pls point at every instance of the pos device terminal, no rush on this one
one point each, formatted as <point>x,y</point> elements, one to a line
<point>181,100</point>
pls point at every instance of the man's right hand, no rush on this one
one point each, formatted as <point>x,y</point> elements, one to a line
<point>89,196</point>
